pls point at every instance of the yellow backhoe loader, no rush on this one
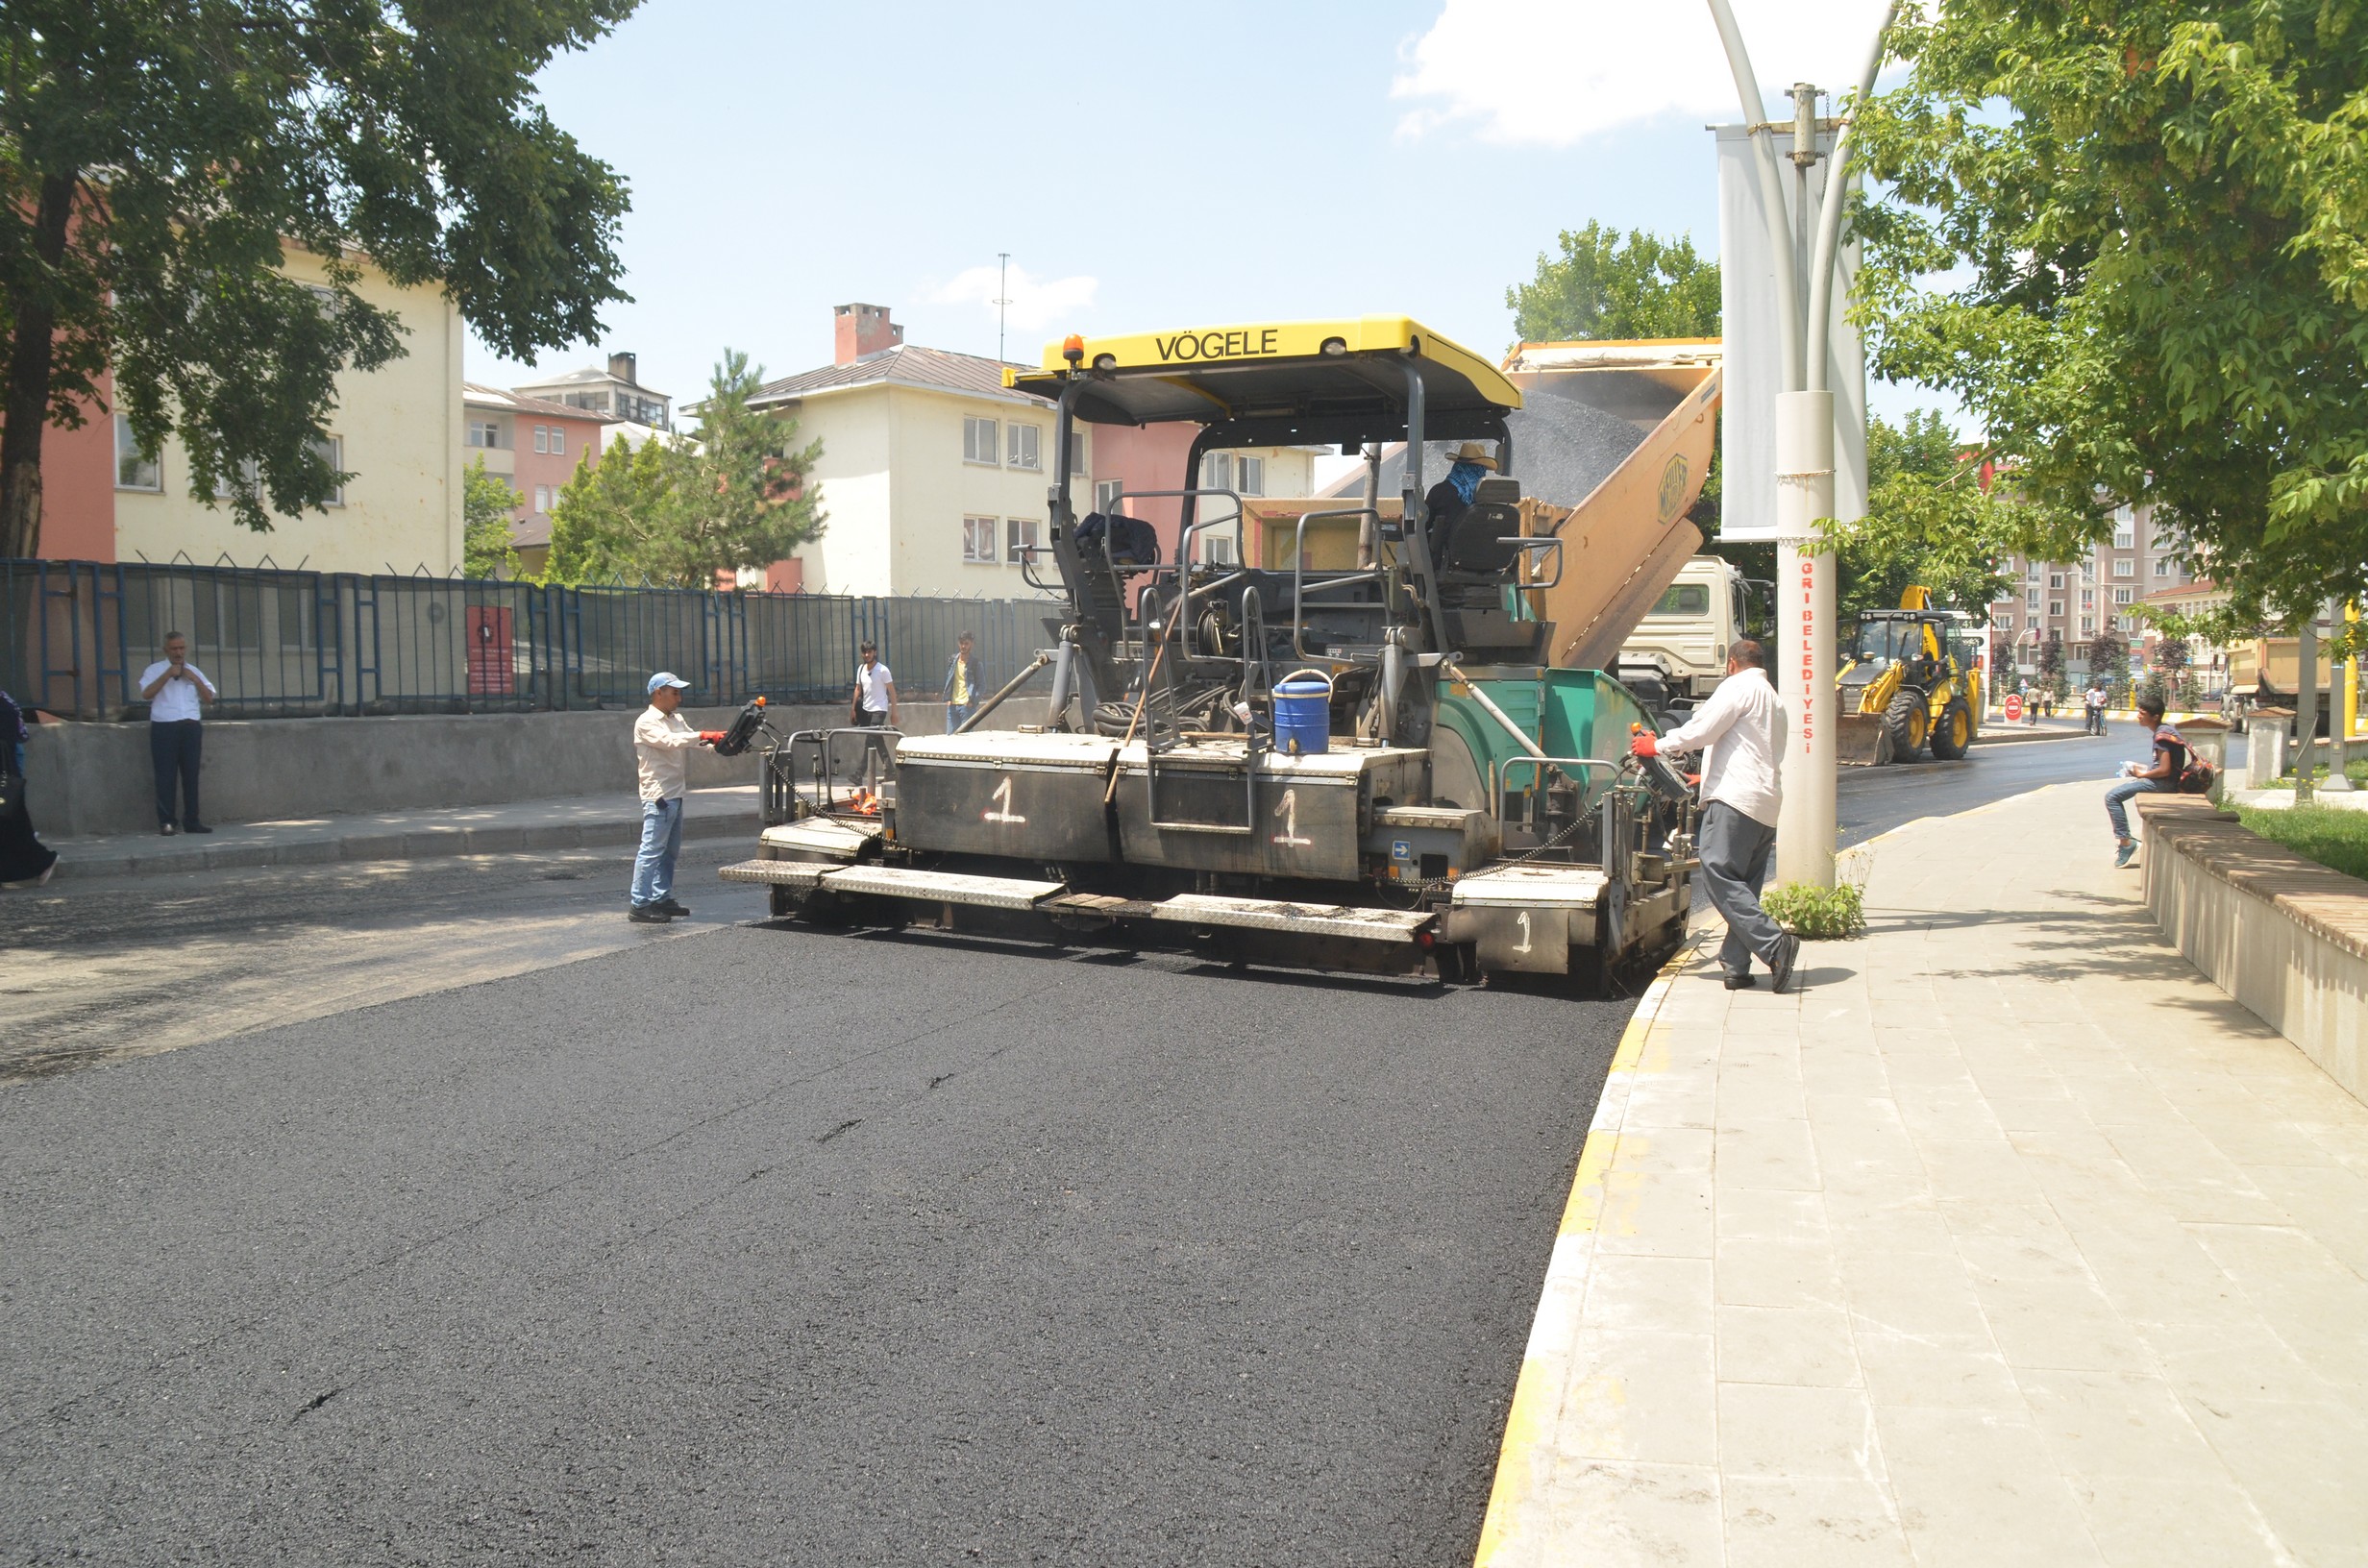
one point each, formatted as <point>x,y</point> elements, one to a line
<point>1907,682</point>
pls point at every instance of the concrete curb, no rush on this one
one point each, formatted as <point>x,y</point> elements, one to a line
<point>415,843</point>
<point>1545,1362</point>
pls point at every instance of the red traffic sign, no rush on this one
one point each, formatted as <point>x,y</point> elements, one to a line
<point>2014,707</point>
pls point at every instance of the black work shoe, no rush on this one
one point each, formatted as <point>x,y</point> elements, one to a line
<point>1740,982</point>
<point>195,827</point>
<point>168,829</point>
<point>649,915</point>
<point>1786,956</point>
<point>677,910</point>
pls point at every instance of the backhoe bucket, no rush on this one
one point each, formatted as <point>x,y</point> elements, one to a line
<point>1864,741</point>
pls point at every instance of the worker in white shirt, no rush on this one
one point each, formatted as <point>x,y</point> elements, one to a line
<point>662,740</point>
<point>1736,731</point>
<point>173,687</point>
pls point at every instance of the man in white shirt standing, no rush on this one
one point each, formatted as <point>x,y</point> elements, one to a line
<point>173,688</point>
<point>662,740</point>
<point>1736,730</point>
<point>874,705</point>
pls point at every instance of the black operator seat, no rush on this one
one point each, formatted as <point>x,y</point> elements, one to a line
<point>1473,546</point>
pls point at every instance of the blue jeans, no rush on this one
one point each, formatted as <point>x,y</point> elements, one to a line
<point>957,714</point>
<point>2124,791</point>
<point>661,839</point>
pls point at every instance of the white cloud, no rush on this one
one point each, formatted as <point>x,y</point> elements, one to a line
<point>1036,302</point>
<point>1550,72</point>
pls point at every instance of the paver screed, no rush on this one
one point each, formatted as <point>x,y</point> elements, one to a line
<point>2010,1238</point>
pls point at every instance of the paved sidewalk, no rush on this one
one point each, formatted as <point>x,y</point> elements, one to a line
<point>2011,1239</point>
<point>568,823</point>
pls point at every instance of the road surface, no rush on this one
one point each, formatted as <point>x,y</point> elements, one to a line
<point>431,1213</point>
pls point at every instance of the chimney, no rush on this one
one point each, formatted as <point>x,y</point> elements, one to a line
<point>861,330</point>
<point>622,366</point>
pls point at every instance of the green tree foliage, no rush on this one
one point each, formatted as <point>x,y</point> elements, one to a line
<point>160,159</point>
<point>609,520</point>
<point>2133,236</point>
<point>1929,520</point>
<point>738,496</point>
<point>2108,656</point>
<point>486,502</point>
<point>744,499</point>
<point>1603,286</point>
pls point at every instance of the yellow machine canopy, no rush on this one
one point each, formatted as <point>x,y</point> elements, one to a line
<point>1280,383</point>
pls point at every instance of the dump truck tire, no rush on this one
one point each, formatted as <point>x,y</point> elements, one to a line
<point>1954,733</point>
<point>1908,719</point>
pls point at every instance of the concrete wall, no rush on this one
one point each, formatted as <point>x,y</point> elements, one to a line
<point>2285,936</point>
<point>96,778</point>
<point>401,431</point>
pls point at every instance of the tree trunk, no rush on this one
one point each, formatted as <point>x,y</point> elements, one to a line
<point>35,313</point>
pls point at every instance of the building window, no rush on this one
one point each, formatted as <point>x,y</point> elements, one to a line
<point>2030,597</point>
<point>1216,471</point>
<point>2125,534</point>
<point>2124,569</point>
<point>133,472</point>
<point>2006,622</point>
<point>979,540</point>
<point>2123,596</point>
<point>1106,495</point>
<point>1019,537</point>
<point>1252,472</point>
<point>2079,650</point>
<point>542,438</point>
<point>333,452</point>
<point>545,496</point>
<point>2055,580</point>
<point>2088,599</point>
<point>1027,446</point>
<point>1217,549</point>
<point>2055,608</point>
<point>2088,571</point>
<point>1077,464</point>
<point>485,433</point>
<point>2163,566</point>
<point>558,439</point>
<point>2089,623</point>
<point>978,437</point>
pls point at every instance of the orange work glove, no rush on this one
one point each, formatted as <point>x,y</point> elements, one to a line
<point>710,736</point>
<point>1642,747</point>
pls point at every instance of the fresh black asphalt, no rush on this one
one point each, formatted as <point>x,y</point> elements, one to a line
<point>775,1246</point>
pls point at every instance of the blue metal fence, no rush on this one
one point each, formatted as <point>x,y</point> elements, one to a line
<point>74,636</point>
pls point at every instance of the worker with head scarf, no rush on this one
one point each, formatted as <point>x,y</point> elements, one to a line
<point>1451,497</point>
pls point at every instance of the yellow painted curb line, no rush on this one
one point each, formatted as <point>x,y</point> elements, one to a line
<point>1537,1389</point>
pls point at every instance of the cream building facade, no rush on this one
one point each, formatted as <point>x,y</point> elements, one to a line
<point>934,478</point>
<point>397,430</point>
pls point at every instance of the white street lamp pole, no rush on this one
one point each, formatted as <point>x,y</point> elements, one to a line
<point>1805,661</point>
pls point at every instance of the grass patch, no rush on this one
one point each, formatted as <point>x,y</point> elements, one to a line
<point>2356,771</point>
<point>2334,839</point>
<point>1822,913</point>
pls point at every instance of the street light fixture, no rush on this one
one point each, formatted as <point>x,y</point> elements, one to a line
<point>1805,829</point>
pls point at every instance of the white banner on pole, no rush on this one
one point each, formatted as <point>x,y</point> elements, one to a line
<point>1753,370</point>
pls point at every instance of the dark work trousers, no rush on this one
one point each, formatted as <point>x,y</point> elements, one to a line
<point>1735,856</point>
<point>174,746</point>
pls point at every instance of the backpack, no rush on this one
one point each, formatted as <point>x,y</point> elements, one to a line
<point>2197,778</point>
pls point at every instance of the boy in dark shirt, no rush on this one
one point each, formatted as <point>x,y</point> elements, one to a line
<point>2160,777</point>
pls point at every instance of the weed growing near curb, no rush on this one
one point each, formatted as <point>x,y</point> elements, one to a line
<point>1822,913</point>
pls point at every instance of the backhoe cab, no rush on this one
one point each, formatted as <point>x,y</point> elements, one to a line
<point>1907,682</point>
<point>1335,745</point>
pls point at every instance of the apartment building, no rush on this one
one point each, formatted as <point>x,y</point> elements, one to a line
<point>536,445</point>
<point>397,433</point>
<point>615,390</point>
<point>2077,600</point>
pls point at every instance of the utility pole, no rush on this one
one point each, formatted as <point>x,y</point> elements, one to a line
<point>1804,416</point>
<point>1002,299</point>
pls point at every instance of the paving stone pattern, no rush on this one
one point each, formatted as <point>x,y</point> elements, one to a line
<point>2011,1239</point>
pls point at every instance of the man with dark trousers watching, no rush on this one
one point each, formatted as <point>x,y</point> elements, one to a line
<point>173,688</point>
<point>1736,730</point>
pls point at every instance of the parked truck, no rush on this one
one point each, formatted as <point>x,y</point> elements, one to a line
<point>1677,654</point>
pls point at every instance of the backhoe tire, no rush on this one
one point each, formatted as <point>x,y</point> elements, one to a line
<point>1908,719</point>
<point>1953,735</point>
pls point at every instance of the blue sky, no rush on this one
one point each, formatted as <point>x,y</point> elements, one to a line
<point>1145,167</point>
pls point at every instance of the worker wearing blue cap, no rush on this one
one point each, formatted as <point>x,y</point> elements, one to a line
<point>662,740</point>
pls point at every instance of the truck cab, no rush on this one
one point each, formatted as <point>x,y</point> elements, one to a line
<point>1677,656</point>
